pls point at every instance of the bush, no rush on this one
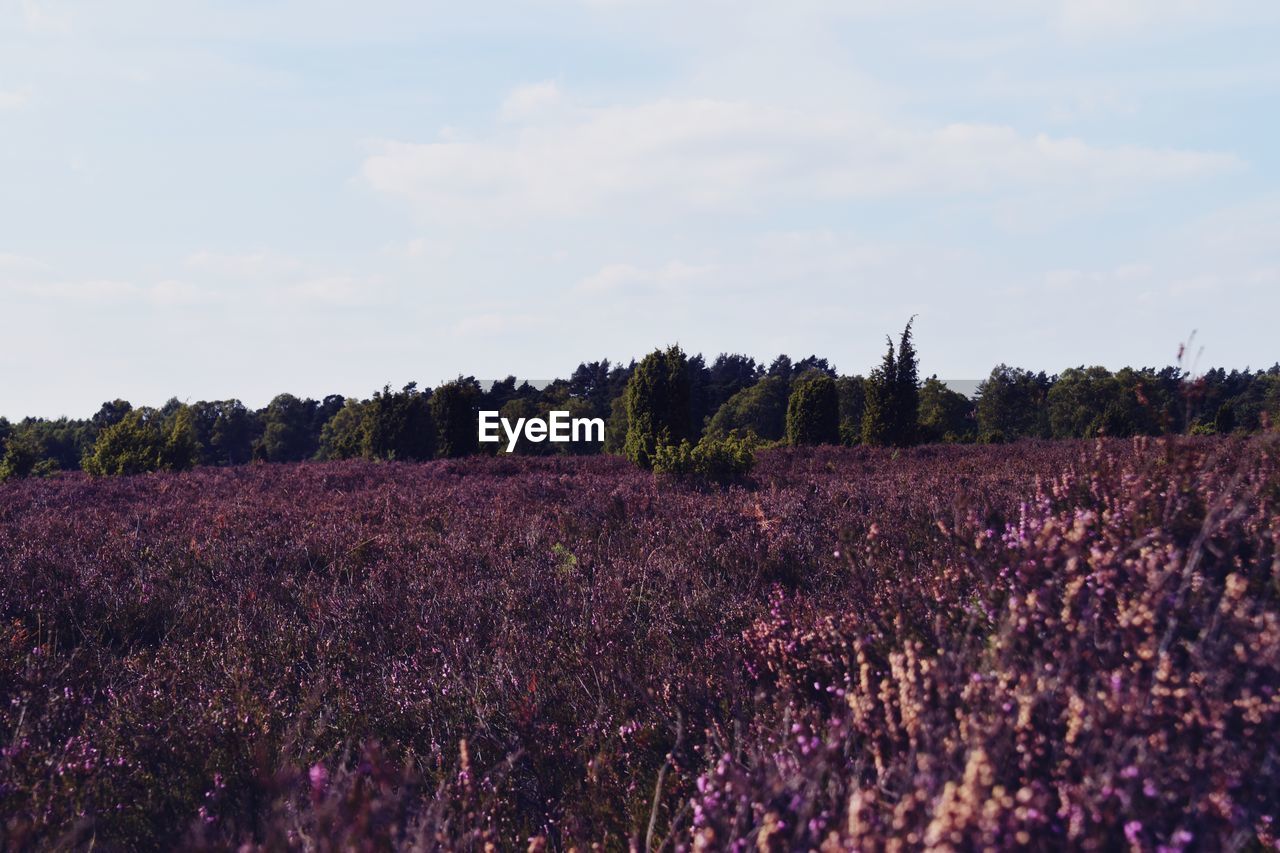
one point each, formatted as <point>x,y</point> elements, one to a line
<point>140,443</point>
<point>658,405</point>
<point>24,457</point>
<point>813,412</point>
<point>712,460</point>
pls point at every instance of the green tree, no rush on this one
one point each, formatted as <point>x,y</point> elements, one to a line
<point>813,411</point>
<point>287,430</point>
<point>345,435</point>
<point>945,415</point>
<point>398,425</point>
<point>22,456</point>
<point>891,409</point>
<point>143,441</point>
<point>906,391</point>
<point>454,408</point>
<point>181,449</point>
<point>227,431</point>
<point>615,431</point>
<point>878,407</point>
<point>1013,403</point>
<point>759,410</point>
<point>658,405</point>
<point>852,393</point>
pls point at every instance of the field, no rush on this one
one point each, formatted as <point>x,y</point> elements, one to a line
<point>1044,644</point>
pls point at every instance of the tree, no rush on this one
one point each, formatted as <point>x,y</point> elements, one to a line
<point>813,411</point>
<point>781,367</point>
<point>658,405</point>
<point>226,430</point>
<point>142,441</point>
<point>398,425</point>
<point>878,408</point>
<point>1012,404</point>
<point>891,406</point>
<point>455,412</point>
<point>945,415</point>
<point>852,394</point>
<point>812,362</point>
<point>590,383</point>
<point>22,456</point>
<point>906,391</point>
<point>180,449</point>
<point>345,435</point>
<point>287,434</point>
<point>111,413</point>
<point>759,410</point>
<point>615,432</point>
<point>728,375</point>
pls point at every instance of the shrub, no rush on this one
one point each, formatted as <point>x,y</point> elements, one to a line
<point>140,443</point>
<point>24,457</point>
<point>658,399</point>
<point>813,411</point>
<point>712,460</point>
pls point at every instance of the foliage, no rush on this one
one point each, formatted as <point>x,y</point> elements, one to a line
<point>852,394</point>
<point>891,401</point>
<point>813,411</point>
<point>288,433</point>
<point>945,415</point>
<point>658,405</point>
<point>226,431</point>
<point>760,409</point>
<point>394,425</point>
<point>143,441</point>
<point>712,460</point>
<point>346,434</point>
<point>1012,404</point>
<point>727,375</point>
<point>22,456</point>
<point>454,407</point>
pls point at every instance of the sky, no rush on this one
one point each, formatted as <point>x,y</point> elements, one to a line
<point>228,198</point>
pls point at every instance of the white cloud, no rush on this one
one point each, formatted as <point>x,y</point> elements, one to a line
<point>12,100</point>
<point>613,278</point>
<point>245,265</point>
<point>527,102</point>
<point>497,323</point>
<point>335,290</point>
<point>43,16</point>
<point>687,154</point>
<point>1127,16</point>
<point>11,265</point>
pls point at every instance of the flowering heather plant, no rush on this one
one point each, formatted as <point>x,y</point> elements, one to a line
<point>1047,645</point>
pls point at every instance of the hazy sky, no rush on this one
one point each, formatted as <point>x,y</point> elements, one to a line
<point>242,197</point>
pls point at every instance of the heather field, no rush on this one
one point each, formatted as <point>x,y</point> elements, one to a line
<point>1044,645</point>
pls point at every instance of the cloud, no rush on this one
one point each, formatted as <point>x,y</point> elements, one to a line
<point>1127,16</point>
<point>11,100</point>
<point>527,102</point>
<point>244,265</point>
<point>11,265</point>
<point>684,154</point>
<point>336,290</point>
<point>613,278</point>
<point>42,16</point>
<point>497,323</point>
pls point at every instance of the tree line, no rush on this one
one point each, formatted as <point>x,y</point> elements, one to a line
<point>671,411</point>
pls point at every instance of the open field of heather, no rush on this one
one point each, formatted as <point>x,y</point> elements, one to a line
<point>1042,644</point>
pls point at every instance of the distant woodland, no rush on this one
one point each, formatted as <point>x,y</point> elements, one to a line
<point>666,399</point>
